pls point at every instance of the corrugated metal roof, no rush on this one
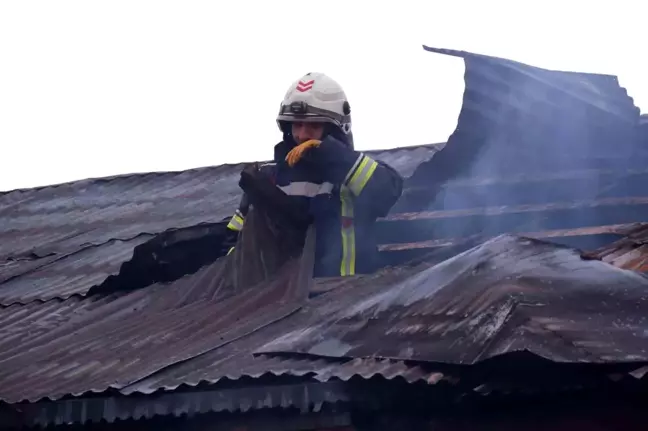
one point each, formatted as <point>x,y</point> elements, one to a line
<point>534,151</point>
<point>520,119</point>
<point>504,296</point>
<point>159,338</point>
<point>62,277</point>
<point>63,218</point>
<point>507,295</point>
<point>67,238</point>
<point>113,344</point>
<point>235,361</point>
<point>631,252</point>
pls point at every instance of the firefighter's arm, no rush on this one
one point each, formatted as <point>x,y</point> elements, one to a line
<point>237,221</point>
<point>375,184</point>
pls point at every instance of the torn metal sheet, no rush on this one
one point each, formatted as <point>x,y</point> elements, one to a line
<point>66,217</point>
<point>519,120</point>
<point>509,294</point>
<point>630,252</point>
<point>63,276</point>
<point>114,344</point>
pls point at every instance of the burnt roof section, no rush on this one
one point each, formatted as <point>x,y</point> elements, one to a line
<point>62,277</point>
<point>99,343</point>
<point>64,218</point>
<point>113,266</point>
<point>538,152</point>
<point>66,239</point>
<point>431,313</point>
<point>507,295</point>
<point>630,252</point>
<point>517,118</point>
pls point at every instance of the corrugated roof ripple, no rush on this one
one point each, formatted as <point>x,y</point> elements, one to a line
<point>516,118</point>
<point>74,274</point>
<point>63,218</point>
<point>506,295</point>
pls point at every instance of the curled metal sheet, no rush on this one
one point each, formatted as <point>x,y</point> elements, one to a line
<point>630,252</point>
<point>509,294</point>
<point>62,218</point>
<point>92,346</point>
<point>112,409</point>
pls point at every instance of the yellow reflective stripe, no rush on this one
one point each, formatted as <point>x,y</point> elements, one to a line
<point>236,222</point>
<point>347,265</point>
<point>353,168</point>
<point>363,172</point>
<point>230,251</point>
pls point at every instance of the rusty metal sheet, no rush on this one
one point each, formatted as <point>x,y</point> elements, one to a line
<point>509,294</point>
<point>38,322</point>
<point>235,360</point>
<point>62,240</point>
<point>55,323</point>
<point>506,295</point>
<point>63,218</point>
<point>630,252</point>
<point>64,276</point>
<point>602,92</point>
<point>134,335</point>
<point>518,119</point>
<point>131,338</point>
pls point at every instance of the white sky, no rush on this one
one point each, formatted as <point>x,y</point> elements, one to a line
<point>91,88</point>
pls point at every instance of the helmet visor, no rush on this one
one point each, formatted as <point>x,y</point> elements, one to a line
<point>301,111</point>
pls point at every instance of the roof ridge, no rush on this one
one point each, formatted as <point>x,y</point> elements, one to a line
<point>110,178</point>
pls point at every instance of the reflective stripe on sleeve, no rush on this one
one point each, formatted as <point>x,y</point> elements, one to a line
<point>360,174</point>
<point>236,222</point>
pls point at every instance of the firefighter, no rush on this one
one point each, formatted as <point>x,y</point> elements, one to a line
<point>346,190</point>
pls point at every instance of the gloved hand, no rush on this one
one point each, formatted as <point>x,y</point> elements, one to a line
<point>298,152</point>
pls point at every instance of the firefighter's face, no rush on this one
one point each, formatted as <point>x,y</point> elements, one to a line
<point>303,131</point>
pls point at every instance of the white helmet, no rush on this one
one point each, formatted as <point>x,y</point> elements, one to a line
<point>316,97</point>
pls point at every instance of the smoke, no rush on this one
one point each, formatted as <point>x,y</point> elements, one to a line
<point>534,150</point>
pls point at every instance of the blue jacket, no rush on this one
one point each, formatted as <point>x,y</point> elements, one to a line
<point>345,191</point>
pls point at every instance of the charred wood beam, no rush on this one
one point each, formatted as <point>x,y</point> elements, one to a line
<point>490,221</point>
<point>614,230</point>
<point>528,189</point>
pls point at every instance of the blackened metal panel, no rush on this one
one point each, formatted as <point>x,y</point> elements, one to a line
<point>519,119</point>
<point>509,294</point>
